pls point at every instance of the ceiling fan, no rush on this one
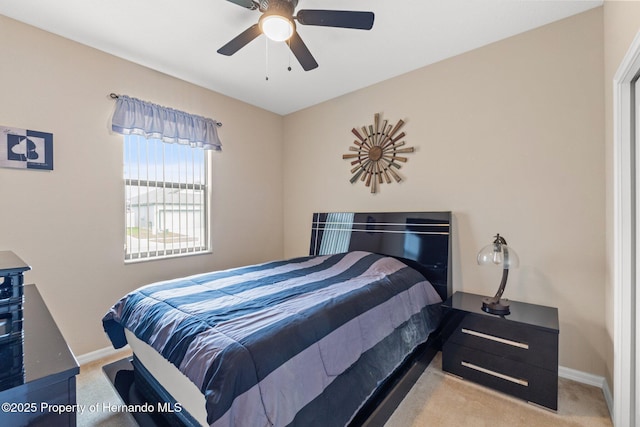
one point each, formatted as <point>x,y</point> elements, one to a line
<point>278,23</point>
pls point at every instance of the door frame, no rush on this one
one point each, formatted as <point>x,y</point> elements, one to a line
<point>625,255</point>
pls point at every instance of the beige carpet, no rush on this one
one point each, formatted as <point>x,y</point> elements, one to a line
<point>437,399</point>
<point>93,388</point>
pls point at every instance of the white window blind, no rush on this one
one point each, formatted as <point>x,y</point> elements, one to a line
<point>166,199</point>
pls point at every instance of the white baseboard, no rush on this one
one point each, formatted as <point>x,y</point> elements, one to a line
<point>589,379</point>
<point>100,354</point>
<point>581,377</point>
<point>608,397</point>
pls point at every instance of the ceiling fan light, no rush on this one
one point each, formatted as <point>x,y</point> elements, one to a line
<point>278,28</point>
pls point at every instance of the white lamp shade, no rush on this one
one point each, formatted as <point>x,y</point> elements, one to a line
<point>277,28</point>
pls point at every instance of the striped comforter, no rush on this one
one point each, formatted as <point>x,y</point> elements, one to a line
<point>300,342</point>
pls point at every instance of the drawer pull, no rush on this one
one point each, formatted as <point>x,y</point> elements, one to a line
<point>497,339</point>
<point>495,374</point>
<point>5,328</point>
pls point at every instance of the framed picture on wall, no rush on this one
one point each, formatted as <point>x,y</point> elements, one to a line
<point>25,149</point>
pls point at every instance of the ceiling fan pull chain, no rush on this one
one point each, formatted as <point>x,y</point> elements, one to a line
<point>266,58</point>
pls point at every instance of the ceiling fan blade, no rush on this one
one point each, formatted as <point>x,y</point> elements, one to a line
<point>336,18</point>
<point>241,40</point>
<point>249,4</point>
<point>302,53</point>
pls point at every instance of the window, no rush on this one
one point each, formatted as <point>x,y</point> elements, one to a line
<point>166,199</point>
<point>165,178</point>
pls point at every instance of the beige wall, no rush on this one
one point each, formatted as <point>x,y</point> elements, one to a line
<point>67,223</point>
<point>621,25</point>
<point>510,138</point>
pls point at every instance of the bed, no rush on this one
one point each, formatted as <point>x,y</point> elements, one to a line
<point>325,339</point>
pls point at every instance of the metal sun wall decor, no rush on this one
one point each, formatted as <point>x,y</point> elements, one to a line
<point>376,153</point>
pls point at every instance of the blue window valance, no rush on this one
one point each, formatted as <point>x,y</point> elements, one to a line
<point>135,117</point>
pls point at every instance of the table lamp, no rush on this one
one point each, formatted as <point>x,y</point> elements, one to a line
<point>499,254</point>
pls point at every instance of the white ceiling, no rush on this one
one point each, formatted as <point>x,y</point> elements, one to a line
<point>180,38</point>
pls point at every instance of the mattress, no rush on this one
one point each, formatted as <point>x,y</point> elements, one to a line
<point>181,388</point>
<point>297,342</point>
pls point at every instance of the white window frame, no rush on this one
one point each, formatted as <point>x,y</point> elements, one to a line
<point>144,249</point>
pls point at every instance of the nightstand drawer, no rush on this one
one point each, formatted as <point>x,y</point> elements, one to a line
<point>516,342</point>
<point>518,379</point>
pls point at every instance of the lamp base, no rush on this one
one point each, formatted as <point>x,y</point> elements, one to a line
<point>493,306</point>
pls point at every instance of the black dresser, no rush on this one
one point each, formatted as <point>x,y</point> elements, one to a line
<point>12,269</point>
<point>37,368</point>
<point>516,354</point>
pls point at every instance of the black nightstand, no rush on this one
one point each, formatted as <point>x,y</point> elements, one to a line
<point>516,354</point>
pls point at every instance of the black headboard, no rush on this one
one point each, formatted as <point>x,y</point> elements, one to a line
<point>420,239</point>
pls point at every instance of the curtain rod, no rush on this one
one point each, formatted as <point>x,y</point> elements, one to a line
<point>116,96</point>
